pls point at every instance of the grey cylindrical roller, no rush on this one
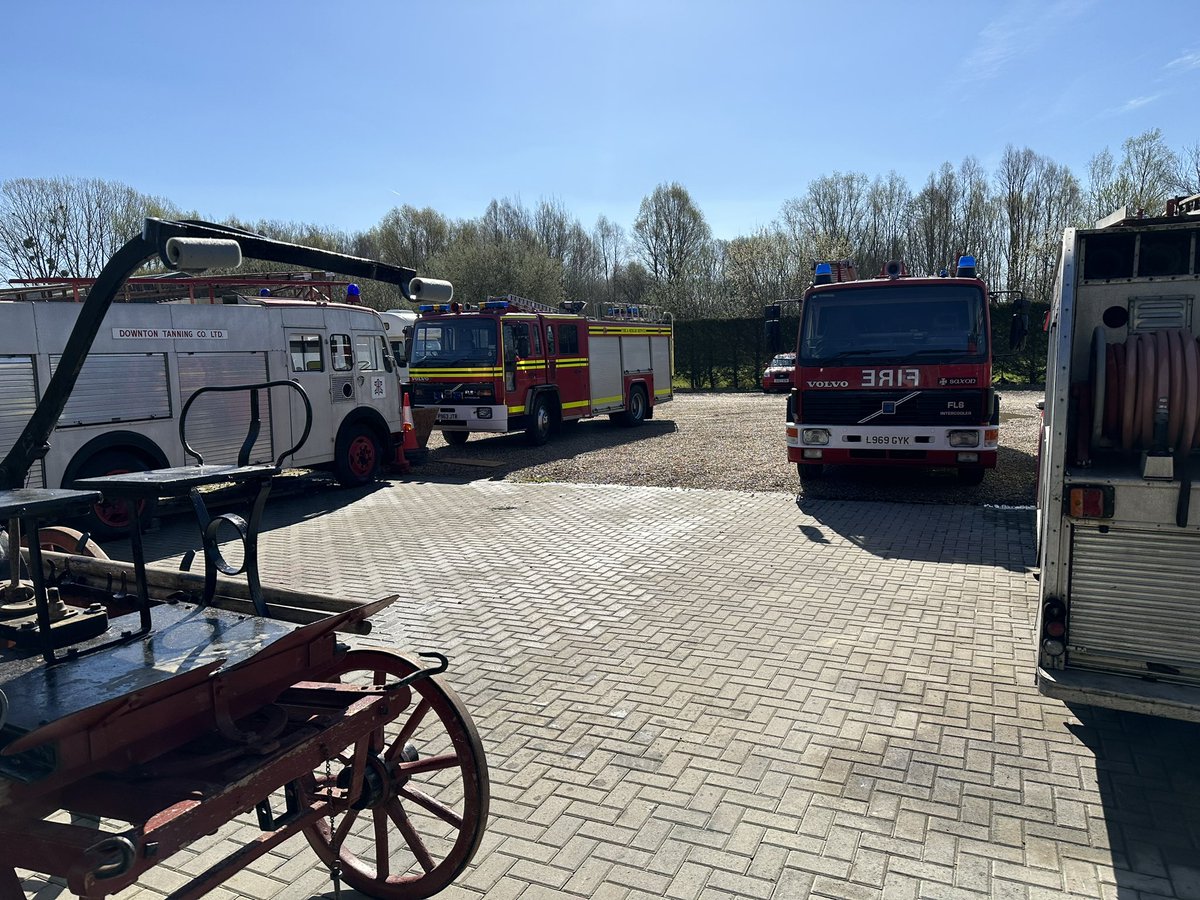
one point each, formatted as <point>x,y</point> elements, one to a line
<point>431,290</point>
<point>198,254</point>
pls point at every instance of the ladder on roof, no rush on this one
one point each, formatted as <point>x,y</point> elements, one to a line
<point>527,305</point>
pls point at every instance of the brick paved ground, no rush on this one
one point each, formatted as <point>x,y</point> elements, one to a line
<point>703,694</point>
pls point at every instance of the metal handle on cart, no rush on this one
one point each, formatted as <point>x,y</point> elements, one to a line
<point>421,674</point>
<point>255,418</point>
<point>117,846</point>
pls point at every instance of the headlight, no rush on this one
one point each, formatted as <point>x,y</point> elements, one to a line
<point>815,435</point>
<point>964,438</point>
<point>483,412</point>
<point>477,391</point>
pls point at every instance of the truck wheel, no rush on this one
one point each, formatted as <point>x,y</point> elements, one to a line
<point>636,414</point>
<point>112,518</point>
<point>358,455</point>
<point>456,438</point>
<point>538,430</point>
<point>971,475</point>
<point>810,472</point>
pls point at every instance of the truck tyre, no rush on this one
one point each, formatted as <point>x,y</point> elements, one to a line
<point>538,430</point>
<point>970,476</point>
<point>112,519</point>
<point>456,438</point>
<point>358,455</point>
<point>810,472</point>
<point>638,406</point>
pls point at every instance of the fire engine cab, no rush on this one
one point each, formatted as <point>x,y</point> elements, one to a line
<point>894,370</point>
<point>516,365</point>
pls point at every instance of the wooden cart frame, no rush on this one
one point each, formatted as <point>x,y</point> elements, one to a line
<point>167,716</point>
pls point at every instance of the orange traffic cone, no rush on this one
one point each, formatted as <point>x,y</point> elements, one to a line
<point>409,443</point>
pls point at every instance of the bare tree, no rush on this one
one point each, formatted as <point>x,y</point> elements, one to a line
<point>829,221</point>
<point>1148,168</point>
<point>68,227</point>
<point>1187,170</point>
<point>608,238</point>
<point>760,270</point>
<point>884,230</point>
<point>670,234</point>
<point>408,236</point>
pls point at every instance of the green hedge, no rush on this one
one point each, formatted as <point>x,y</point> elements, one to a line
<point>730,354</point>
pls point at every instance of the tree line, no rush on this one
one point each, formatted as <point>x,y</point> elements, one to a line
<point>1010,218</point>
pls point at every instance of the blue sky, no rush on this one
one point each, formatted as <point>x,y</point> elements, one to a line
<point>335,112</point>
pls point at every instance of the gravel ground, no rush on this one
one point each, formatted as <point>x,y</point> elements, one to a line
<point>734,442</point>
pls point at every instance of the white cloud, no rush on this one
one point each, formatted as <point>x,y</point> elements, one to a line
<point>1135,103</point>
<point>1187,61</point>
<point>1020,31</point>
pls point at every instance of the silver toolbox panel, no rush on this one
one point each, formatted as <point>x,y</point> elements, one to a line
<point>606,384</point>
<point>1134,598</point>
<point>217,423</point>
<point>117,387</point>
<point>635,353</point>
<point>660,350</point>
<point>18,399</point>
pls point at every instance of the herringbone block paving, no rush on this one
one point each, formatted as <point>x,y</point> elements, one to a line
<point>707,694</point>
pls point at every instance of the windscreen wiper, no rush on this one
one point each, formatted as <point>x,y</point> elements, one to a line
<point>845,354</point>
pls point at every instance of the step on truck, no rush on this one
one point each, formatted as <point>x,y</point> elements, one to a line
<point>1118,510</point>
<point>513,365</point>
<point>893,371</point>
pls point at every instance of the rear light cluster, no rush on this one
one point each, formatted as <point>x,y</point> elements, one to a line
<point>1054,627</point>
<point>1089,501</point>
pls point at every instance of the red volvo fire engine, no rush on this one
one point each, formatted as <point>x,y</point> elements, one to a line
<point>518,365</point>
<point>894,370</point>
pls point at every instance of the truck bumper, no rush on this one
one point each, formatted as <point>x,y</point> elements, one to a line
<point>913,445</point>
<point>1124,692</point>
<point>470,417</point>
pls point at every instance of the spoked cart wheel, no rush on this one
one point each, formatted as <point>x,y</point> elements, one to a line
<point>68,540</point>
<point>424,805</point>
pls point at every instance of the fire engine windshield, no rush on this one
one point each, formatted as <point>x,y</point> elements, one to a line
<point>454,341</point>
<point>901,323</point>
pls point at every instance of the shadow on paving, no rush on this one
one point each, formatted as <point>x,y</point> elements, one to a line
<point>1148,769</point>
<point>1014,481</point>
<point>947,534</point>
<point>498,456</point>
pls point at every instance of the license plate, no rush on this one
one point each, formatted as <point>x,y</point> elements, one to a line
<point>447,419</point>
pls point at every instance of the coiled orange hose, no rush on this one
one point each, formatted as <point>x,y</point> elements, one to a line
<point>1150,375</point>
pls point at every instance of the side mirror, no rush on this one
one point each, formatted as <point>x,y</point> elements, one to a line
<point>773,335</point>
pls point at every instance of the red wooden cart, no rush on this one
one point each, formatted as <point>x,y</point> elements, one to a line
<point>146,707</point>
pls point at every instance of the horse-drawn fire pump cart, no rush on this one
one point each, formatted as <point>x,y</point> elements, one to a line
<point>142,709</point>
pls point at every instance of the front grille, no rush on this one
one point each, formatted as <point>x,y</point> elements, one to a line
<point>928,407</point>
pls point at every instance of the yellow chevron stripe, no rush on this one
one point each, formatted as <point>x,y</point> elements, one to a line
<point>514,410</point>
<point>645,332</point>
<point>576,404</point>
<point>456,373</point>
<point>602,401</point>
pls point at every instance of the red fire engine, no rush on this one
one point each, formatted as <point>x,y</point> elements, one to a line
<point>517,365</point>
<point>894,370</point>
